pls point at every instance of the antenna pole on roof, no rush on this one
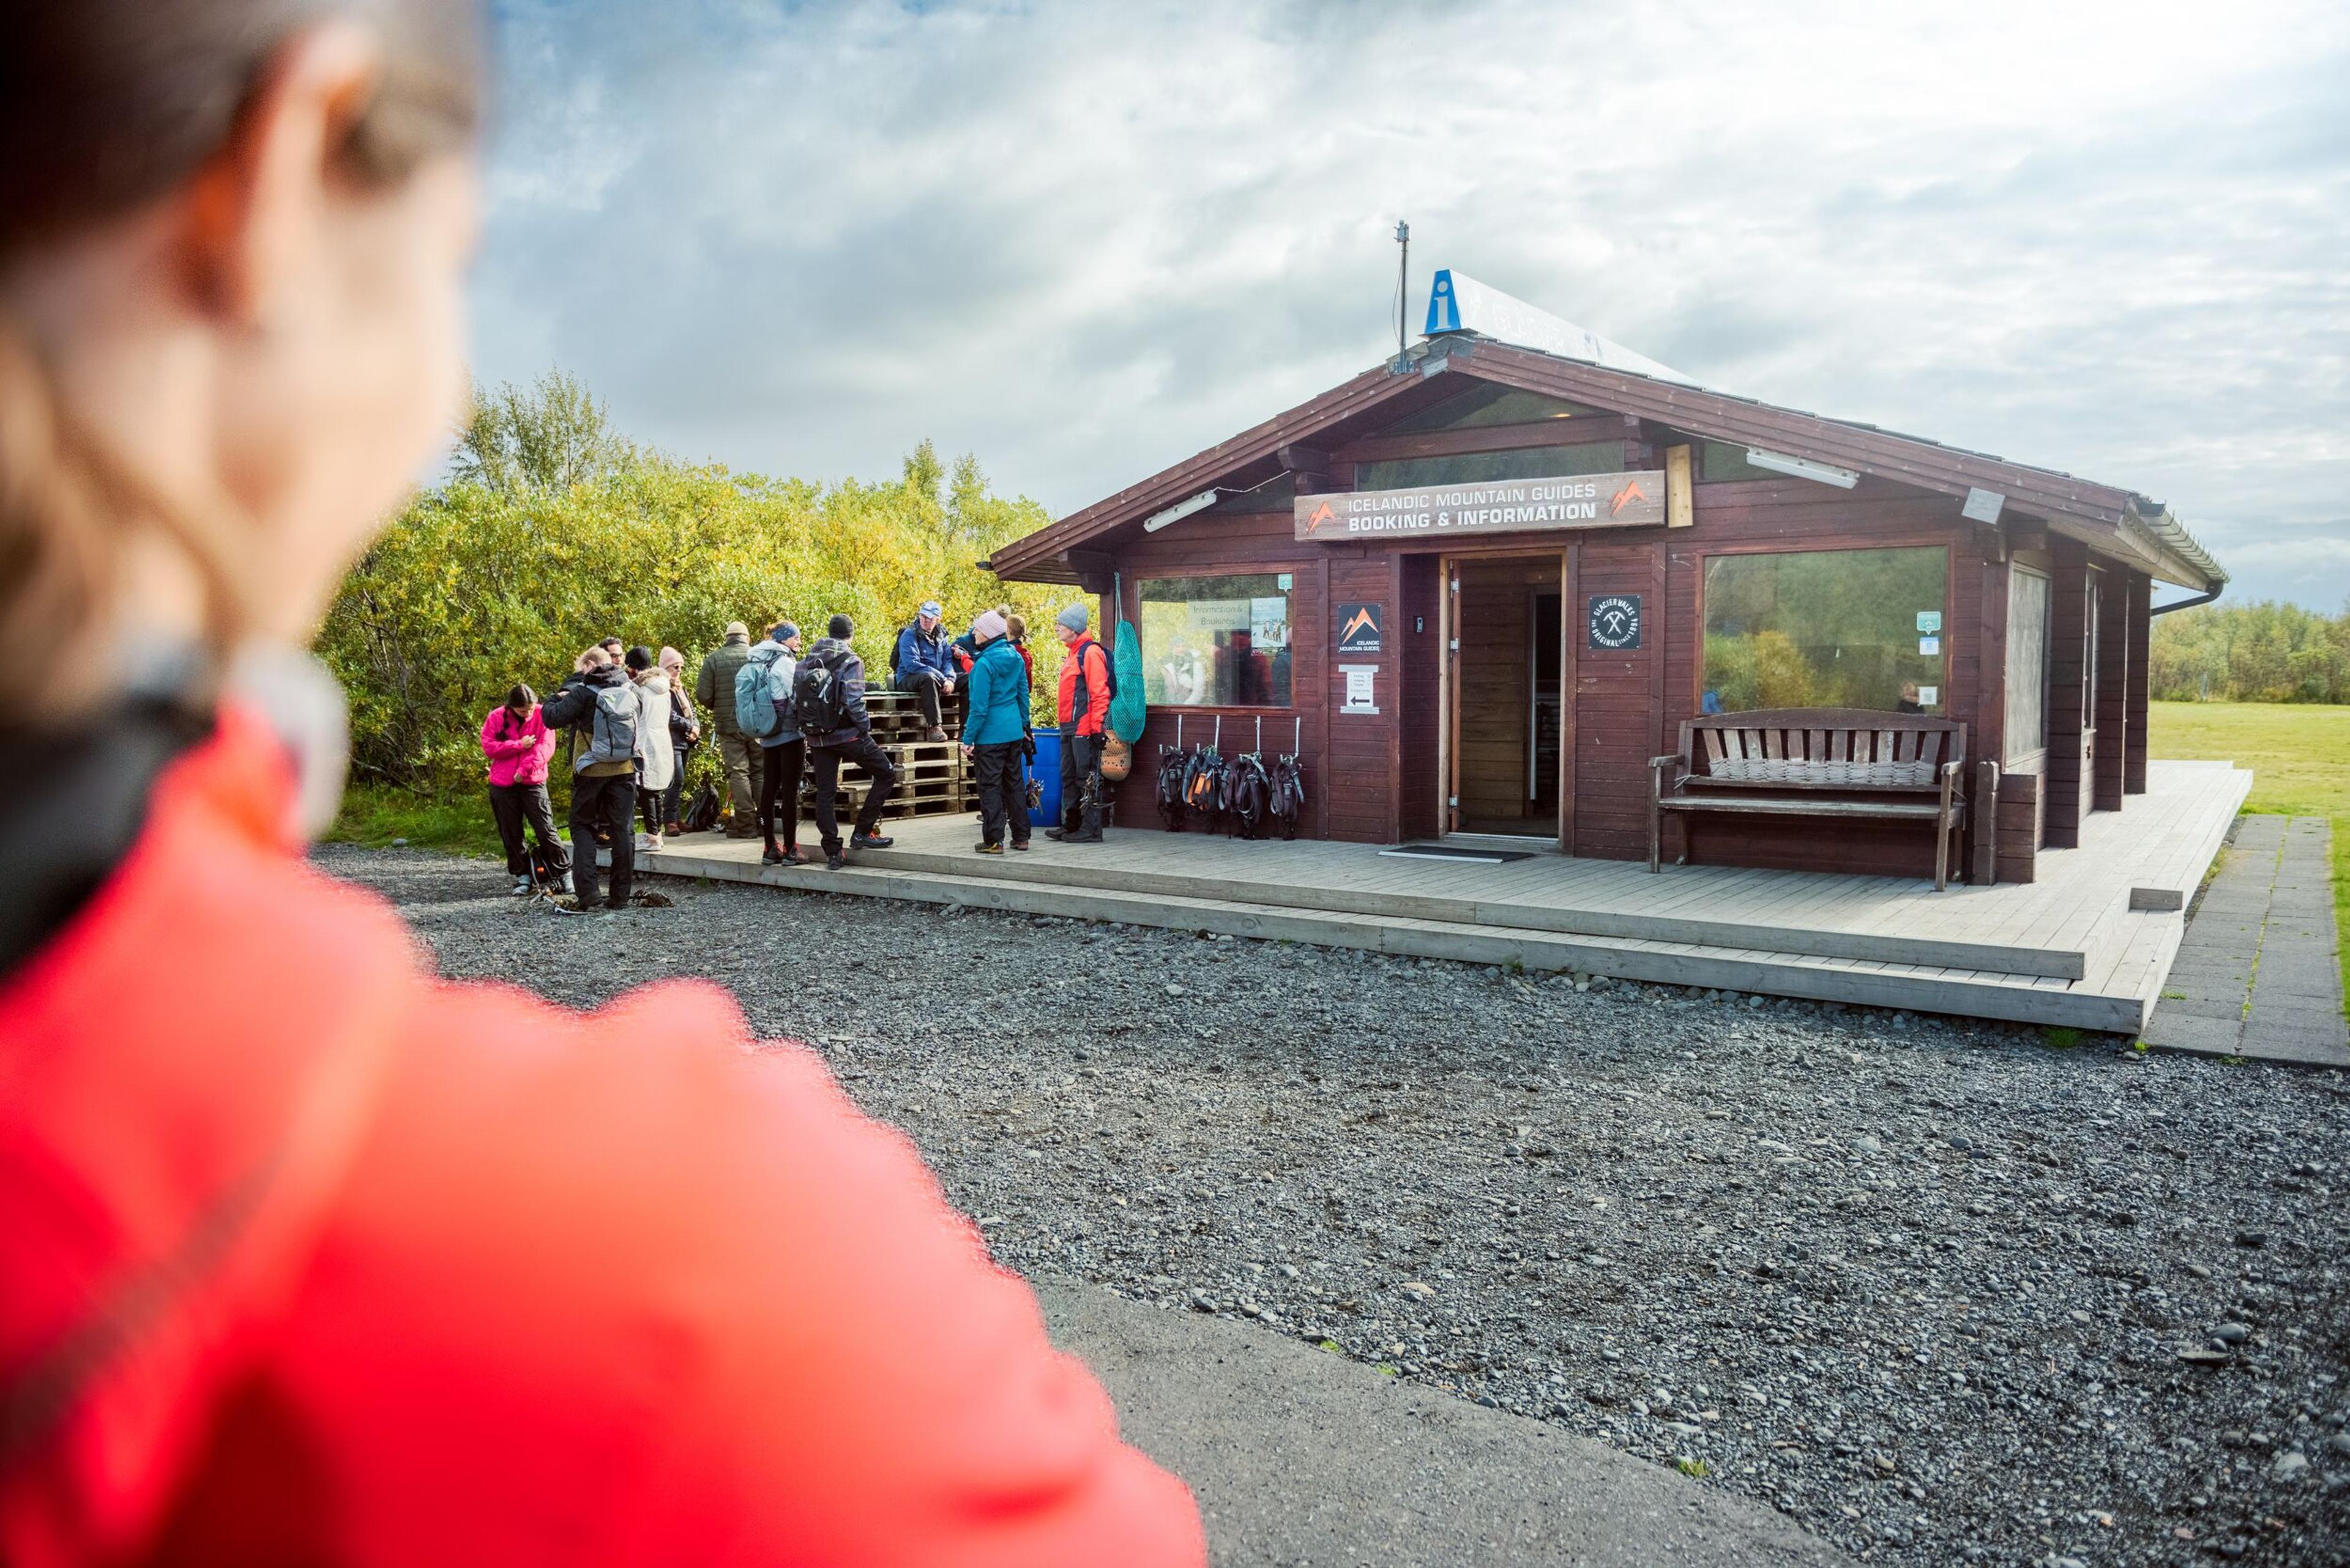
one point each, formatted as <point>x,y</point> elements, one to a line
<point>1403,279</point>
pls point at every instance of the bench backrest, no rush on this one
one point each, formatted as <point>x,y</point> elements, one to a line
<point>1822,748</point>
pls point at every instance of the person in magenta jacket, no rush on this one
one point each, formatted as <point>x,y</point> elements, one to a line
<point>519,746</point>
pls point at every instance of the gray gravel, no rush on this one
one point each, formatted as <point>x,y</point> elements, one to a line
<point>1941,1291</point>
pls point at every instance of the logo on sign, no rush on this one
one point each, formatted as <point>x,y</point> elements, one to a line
<point>1359,630</point>
<point>1625,496</point>
<point>1616,620</point>
<point>1322,513</point>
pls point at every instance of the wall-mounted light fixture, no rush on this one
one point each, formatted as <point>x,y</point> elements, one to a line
<point>1802,468</point>
<point>1177,512</point>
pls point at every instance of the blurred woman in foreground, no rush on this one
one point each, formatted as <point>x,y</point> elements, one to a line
<point>305,1256</point>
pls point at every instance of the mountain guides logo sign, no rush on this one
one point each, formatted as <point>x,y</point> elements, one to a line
<point>1359,630</point>
<point>1631,500</point>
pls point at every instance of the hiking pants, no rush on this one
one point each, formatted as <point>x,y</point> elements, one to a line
<point>779,793</point>
<point>513,805</point>
<point>743,757</point>
<point>826,760</point>
<point>929,686</point>
<point>1081,783</point>
<point>671,796</point>
<point>1002,790</point>
<point>611,802</point>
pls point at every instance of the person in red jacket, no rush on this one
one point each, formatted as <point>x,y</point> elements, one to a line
<point>306,1254</point>
<point>1084,721</point>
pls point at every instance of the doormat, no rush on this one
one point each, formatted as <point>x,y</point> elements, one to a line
<point>1444,852</point>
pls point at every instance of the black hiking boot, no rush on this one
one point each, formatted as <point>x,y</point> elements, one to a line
<point>834,860</point>
<point>871,841</point>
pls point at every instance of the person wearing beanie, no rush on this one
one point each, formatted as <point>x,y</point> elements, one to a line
<point>995,734</point>
<point>783,749</point>
<point>1087,686</point>
<point>839,731</point>
<point>684,735</point>
<point>714,689</point>
<point>923,663</point>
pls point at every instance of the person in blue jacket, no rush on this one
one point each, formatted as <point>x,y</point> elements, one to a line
<point>924,664</point>
<point>995,734</point>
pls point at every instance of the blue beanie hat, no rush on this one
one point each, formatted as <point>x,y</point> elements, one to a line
<point>1076,617</point>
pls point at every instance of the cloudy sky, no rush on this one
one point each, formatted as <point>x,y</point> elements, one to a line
<point>1085,240</point>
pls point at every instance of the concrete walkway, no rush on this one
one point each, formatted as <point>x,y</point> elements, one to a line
<point>2258,975</point>
<point>1299,1458</point>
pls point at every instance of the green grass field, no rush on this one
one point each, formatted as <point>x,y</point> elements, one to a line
<point>2300,756</point>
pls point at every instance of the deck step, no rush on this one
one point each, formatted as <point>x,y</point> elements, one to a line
<point>1870,947</point>
<point>1814,977</point>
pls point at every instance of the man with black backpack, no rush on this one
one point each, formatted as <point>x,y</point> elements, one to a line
<point>1087,683</point>
<point>828,707</point>
<point>607,707</point>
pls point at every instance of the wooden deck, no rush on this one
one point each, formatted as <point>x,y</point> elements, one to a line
<point>2086,945</point>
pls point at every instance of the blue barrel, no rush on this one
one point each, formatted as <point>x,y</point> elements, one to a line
<point>1048,776</point>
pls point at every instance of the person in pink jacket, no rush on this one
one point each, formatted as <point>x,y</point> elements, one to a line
<point>519,746</point>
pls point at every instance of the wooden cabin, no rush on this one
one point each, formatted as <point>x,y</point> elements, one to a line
<point>1487,583</point>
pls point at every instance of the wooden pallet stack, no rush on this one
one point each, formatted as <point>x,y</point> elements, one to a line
<point>933,779</point>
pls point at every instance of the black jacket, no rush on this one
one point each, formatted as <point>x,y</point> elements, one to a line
<point>848,669</point>
<point>573,706</point>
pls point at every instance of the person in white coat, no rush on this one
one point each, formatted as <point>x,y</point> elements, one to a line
<point>656,755</point>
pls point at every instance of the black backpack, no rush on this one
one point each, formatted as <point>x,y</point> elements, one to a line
<point>819,706</point>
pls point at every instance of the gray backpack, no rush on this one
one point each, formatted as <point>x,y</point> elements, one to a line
<point>612,731</point>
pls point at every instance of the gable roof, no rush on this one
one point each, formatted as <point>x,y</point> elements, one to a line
<point>2114,522</point>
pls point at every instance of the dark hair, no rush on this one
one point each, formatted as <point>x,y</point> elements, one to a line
<point>609,645</point>
<point>840,629</point>
<point>106,105</point>
<point>521,697</point>
<point>641,658</point>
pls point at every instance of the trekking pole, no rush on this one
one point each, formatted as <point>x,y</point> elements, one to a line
<point>1297,742</point>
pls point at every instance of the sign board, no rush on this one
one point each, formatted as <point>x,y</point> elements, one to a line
<point>1633,499</point>
<point>1983,505</point>
<point>1359,630</point>
<point>1362,689</point>
<point>1615,621</point>
<point>1930,620</point>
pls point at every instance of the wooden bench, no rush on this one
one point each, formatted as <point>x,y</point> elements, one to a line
<point>1843,762</point>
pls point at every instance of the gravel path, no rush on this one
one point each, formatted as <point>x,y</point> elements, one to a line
<point>1942,1291</point>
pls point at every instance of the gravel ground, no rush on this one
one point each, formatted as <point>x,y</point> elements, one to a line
<point>1942,1291</point>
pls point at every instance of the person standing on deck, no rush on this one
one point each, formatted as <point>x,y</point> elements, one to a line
<point>714,689</point>
<point>1085,720</point>
<point>995,732</point>
<point>831,716</point>
<point>784,749</point>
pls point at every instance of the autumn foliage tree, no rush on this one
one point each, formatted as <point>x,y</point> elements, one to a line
<point>552,532</point>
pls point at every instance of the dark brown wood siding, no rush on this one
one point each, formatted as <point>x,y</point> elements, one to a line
<point>1618,697</point>
<point>1363,746</point>
<point>2064,778</point>
<point>2141,628</point>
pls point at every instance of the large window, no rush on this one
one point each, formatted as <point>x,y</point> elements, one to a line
<point>2027,662</point>
<point>1826,628</point>
<point>1488,467</point>
<point>1216,641</point>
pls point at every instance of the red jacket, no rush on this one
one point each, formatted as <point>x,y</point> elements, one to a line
<point>1096,660</point>
<point>307,1255</point>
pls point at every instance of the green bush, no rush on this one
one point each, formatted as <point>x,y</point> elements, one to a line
<point>2257,652</point>
<point>554,534</point>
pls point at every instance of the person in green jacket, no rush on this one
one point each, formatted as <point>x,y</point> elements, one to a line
<point>995,732</point>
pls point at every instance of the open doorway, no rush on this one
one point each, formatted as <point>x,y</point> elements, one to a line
<point>1504,682</point>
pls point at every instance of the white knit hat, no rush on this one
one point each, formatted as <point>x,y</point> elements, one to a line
<point>988,627</point>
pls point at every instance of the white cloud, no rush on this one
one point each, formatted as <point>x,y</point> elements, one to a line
<point>1085,240</point>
